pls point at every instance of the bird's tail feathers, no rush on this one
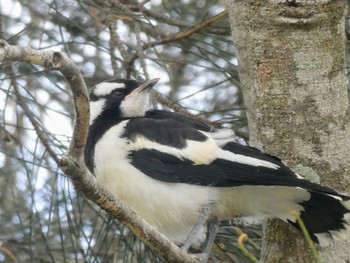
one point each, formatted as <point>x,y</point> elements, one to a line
<point>326,216</point>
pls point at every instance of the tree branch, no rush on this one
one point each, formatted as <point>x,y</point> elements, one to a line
<point>117,7</point>
<point>181,35</point>
<point>72,163</point>
<point>86,183</point>
<point>7,253</point>
<point>57,61</point>
<point>41,133</point>
<point>179,109</point>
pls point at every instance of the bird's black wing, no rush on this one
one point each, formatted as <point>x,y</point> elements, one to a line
<point>166,115</point>
<point>221,173</point>
<point>163,162</point>
<point>167,132</point>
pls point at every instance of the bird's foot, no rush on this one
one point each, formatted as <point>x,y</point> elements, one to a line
<point>203,217</point>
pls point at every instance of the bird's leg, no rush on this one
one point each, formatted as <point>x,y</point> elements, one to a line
<point>211,234</point>
<point>207,210</point>
<point>207,246</point>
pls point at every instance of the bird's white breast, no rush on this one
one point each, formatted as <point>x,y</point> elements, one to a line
<point>173,208</point>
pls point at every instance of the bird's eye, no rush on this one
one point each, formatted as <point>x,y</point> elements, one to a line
<point>118,93</point>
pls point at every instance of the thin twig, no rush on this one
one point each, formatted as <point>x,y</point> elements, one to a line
<point>307,235</point>
<point>72,164</point>
<point>132,9</point>
<point>181,35</point>
<point>185,34</point>
<point>60,62</point>
<point>117,43</point>
<point>160,17</point>
<point>113,42</point>
<point>160,98</point>
<point>139,49</point>
<point>86,183</point>
<point>30,115</point>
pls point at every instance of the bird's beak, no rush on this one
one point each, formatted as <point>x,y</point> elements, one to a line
<point>147,85</point>
<point>143,87</point>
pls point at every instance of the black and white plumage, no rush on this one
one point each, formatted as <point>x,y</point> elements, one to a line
<point>167,167</point>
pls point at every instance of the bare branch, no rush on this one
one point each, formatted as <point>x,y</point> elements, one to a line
<point>113,43</point>
<point>190,31</point>
<point>7,253</point>
<point>72,163</point>
<point>178,108</point>
<point>85,182</point>
<point>132,9</point>
<point>60,62</point>
<point>182,34</point>
<point>139,50</point>
<point>30,115</point>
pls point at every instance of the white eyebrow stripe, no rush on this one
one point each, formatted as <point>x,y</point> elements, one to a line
<point>106,88</point>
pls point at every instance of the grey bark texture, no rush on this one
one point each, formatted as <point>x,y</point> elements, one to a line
<point>291,65</point>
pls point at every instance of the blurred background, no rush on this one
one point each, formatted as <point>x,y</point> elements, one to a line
<point>186,43</point>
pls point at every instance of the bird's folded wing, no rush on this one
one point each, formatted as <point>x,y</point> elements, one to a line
<point>176,152</point>
<point>166,115</point>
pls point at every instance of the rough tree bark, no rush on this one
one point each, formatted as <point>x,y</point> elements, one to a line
<point>291,56</point>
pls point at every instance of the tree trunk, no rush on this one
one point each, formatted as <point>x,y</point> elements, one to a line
<point>291,56</point>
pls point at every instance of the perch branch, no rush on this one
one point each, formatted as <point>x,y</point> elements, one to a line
<point>42,135</point>
<point>57,61</point>
<point>72,163</point>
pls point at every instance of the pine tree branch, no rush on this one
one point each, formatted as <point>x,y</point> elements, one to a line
<point>57,61</point>
<point>182,34</point>
<point>41,133</point>
<point>72,163</point>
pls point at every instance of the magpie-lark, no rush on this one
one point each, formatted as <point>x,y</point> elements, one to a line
<point>168,167</point>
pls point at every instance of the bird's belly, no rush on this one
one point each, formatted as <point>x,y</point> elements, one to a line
<point>173,208</point>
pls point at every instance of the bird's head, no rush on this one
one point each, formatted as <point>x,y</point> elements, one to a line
<point>124,97</point>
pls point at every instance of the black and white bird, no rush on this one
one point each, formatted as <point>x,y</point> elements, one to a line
<point>168,167</point>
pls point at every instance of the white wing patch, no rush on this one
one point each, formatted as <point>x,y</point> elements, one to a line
<point>239,158</point>
<point>106,88</point>
<point>198,152</point>
<point>224,136</point>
